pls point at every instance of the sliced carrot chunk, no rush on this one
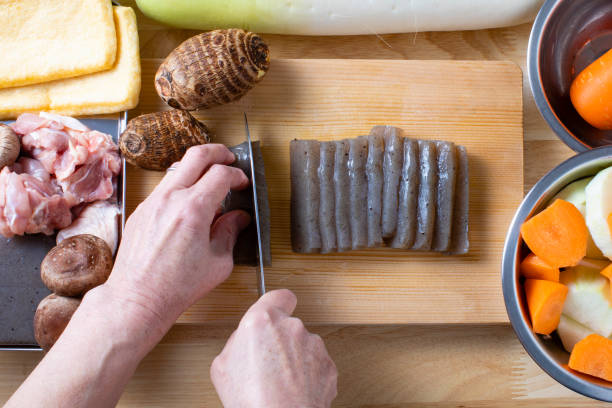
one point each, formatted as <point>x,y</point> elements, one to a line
<point>545,300</point>
<point>558,235</point>
<point>593,356</point>
<point>533,267</point>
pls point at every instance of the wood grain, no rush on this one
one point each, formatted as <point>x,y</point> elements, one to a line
<point>475,104</point>
<point>380,366</point>
<point>175,374</point>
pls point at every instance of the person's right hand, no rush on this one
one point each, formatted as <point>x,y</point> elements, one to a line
<point>271,360</point>
<point>175,247</point>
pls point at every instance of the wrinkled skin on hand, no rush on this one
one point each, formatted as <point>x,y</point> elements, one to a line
<point>271,360</point>
<point>175,248</point>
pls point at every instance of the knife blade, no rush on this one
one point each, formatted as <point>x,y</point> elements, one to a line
<point>261,280</point>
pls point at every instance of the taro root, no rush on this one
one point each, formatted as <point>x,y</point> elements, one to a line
<point>212,69</point>
<point>156,140</point>
<point>51,318</point>
<point>9,146</point>
<point>77,264</point>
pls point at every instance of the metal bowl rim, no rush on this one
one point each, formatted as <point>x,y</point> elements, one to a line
<point>535,83</point>
<point>509,281</point>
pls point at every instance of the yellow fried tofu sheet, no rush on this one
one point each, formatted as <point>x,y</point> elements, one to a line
<point>109,91</point>
<point>44,40</point>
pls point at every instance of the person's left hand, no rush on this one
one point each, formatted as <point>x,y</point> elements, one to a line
<point>175,248</point>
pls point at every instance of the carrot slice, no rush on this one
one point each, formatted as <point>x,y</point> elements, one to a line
<point>593,356</point>
<point>558,235</point>
<point>607,272</point>
<point>591,92</point>
<point>610,223</point>
<point>533,267</point>
<point>545,300</point>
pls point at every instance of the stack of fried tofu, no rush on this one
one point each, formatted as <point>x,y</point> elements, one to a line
<point>71,57</point>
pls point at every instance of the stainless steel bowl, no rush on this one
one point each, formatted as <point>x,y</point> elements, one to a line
<point>567,36</point>
<point>547,351</point>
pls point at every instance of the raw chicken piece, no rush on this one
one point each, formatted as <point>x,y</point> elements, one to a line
<point>91,182</point>
<point>33,168</point>
<point>30,202</point>
<point>99,219</point>
<point>84,161</point>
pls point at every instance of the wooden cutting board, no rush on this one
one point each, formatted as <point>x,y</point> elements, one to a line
<point>477,104</point>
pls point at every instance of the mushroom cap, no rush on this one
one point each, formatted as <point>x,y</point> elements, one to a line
<point>52,317</point>
<point>77,264</point>
<point>9,146</point>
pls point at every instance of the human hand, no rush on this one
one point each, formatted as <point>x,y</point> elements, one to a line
<point>271,360</point>
<point>174,248</point>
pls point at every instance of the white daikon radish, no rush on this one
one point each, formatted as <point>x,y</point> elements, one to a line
<point>575,193</point>
<point>341,17</point>
<point>588,298</point>
<point>571,332</point>
<point>598,209</point>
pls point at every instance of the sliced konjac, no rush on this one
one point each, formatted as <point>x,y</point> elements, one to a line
<point>392,172</point>
<point>408,194</point>
<point>460,241</point>
<point>447,173</point>
<point>305,232</point>
<point>342,193</point>
<point>349,182</point>
<point>327,219</point>
<point>426,204</point>
<point>358,153</point>
<point>374,173</point>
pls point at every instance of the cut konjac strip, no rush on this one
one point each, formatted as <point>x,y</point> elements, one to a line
<point>426,204</point>
<point>305,193</point>
<point>245,250</point>
<point>379,189</point>
<point>460,243</point>
<point>374,173</point>
<point>342,193</point>
<point>447,173</point>
<point>327,219</point>
<point>392,171</point>
<point>358,154</point>
<point>408,194</point>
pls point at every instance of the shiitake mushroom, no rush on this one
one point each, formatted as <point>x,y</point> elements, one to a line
<point>51,318</point>
<point>212,69</point>
<point>9,146</point>
<point>76,265</point>
<point>156,140</point>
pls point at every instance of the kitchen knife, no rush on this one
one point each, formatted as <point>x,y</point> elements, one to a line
<point>261,281</point>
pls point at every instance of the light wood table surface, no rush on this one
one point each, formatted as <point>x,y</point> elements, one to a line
<point>380,366</point>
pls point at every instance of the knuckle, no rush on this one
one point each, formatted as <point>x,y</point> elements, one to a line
<point>257,319</point>
<point>198,152</point>
<point>219,170</point>
<point>317,341</point>
<point>296,325</point>
<point>216,368</point>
